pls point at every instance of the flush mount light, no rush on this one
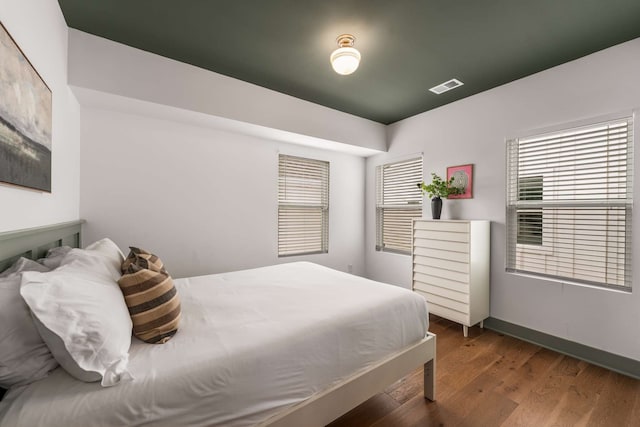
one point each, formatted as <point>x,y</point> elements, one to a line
<point>346,58</point>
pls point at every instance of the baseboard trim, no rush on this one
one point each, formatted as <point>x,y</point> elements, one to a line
<point>614,362</point>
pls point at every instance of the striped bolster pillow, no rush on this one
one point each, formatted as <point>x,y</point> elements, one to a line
<point>154,305</point>
<point>143,259</point>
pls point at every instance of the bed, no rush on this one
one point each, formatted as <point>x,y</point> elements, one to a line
<point>255,347</point>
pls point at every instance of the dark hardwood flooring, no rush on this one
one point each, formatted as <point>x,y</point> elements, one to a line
<point>490,379</point>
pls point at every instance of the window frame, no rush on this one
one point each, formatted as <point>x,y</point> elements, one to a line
<point>571,198</point>
<point>295,200</point>
<point>413,201</point>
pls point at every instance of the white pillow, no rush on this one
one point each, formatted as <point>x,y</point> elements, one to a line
<point>24,357</point>
<point>81,306</point>
<point>54,257</point>
<point>62,356</point>
<point>112,254</point>
<point>23,264</point>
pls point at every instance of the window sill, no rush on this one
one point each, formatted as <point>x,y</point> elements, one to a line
<point>564,282</point>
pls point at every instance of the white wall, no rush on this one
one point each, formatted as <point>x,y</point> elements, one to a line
<point>474,130</point>
<point>183,161</point>
<point>38,27</point>
<point>100,64</point>
<point>203,199</point>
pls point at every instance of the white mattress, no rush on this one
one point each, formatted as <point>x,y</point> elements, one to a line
<point>250,343</point>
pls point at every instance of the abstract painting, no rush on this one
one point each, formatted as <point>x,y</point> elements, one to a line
<point>25,120</point>
<point>462,179</point>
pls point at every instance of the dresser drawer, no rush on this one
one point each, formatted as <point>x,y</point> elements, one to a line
<point>446,236</point>
<point>456,227</point>
<point>445,302</point>
<point>440,282</point>
<point>447,313</point>
<point>460,256</point>
<point>462,297</point>
<point>438,272</point>
<point>456,266</point>
<point>441,245</point>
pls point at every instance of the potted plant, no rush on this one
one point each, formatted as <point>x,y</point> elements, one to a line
<point>437,190</point>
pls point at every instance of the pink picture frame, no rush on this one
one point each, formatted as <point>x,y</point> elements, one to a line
<point>463,178</point>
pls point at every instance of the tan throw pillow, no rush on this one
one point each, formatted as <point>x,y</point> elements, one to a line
<point>154,305</point>
<point>143,259</point>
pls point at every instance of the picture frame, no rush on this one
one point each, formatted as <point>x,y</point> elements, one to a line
<point>462,178</point>
<point>25,119</point>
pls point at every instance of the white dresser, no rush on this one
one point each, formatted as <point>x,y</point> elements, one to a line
<point>451,268</point>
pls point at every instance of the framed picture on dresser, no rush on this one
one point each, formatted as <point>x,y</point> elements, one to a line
<point>463,179</point>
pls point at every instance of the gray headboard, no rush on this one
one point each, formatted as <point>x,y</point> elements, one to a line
<point>34,243</point>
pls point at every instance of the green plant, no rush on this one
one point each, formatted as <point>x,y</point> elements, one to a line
<point>439,187</point>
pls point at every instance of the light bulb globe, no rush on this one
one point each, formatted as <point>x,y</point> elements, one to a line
<point>345,60</point>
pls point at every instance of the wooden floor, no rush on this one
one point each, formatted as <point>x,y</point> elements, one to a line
<point>490,379</point>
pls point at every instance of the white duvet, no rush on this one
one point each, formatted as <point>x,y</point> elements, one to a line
<point>250,343</point>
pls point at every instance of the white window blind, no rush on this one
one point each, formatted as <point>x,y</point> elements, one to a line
<point>569,201</point>
<point>398,202</point>
<point>303,206</point>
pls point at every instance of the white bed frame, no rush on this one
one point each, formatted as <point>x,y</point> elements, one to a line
<point>330,404</point>
<point>320,409</point>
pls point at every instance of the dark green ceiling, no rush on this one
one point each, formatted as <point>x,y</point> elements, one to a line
<point>406,46</point>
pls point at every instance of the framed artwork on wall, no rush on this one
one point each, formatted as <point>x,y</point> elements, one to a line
<point>25,120</point>
<point>463,179</point>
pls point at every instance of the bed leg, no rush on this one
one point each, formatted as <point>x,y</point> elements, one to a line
<point>430,379</point>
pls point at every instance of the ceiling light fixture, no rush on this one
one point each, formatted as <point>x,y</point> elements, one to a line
<point>346,58</point>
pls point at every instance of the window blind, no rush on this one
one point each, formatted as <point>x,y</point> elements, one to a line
<point>398,202</point>
<point>569,204</point>
<point>303,206</point>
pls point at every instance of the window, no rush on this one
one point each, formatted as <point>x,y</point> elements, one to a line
<point>303,206</point>
<point>569,201</point>
<point>398,202</point>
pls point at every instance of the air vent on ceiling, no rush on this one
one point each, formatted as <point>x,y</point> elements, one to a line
<point>441,88</point>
